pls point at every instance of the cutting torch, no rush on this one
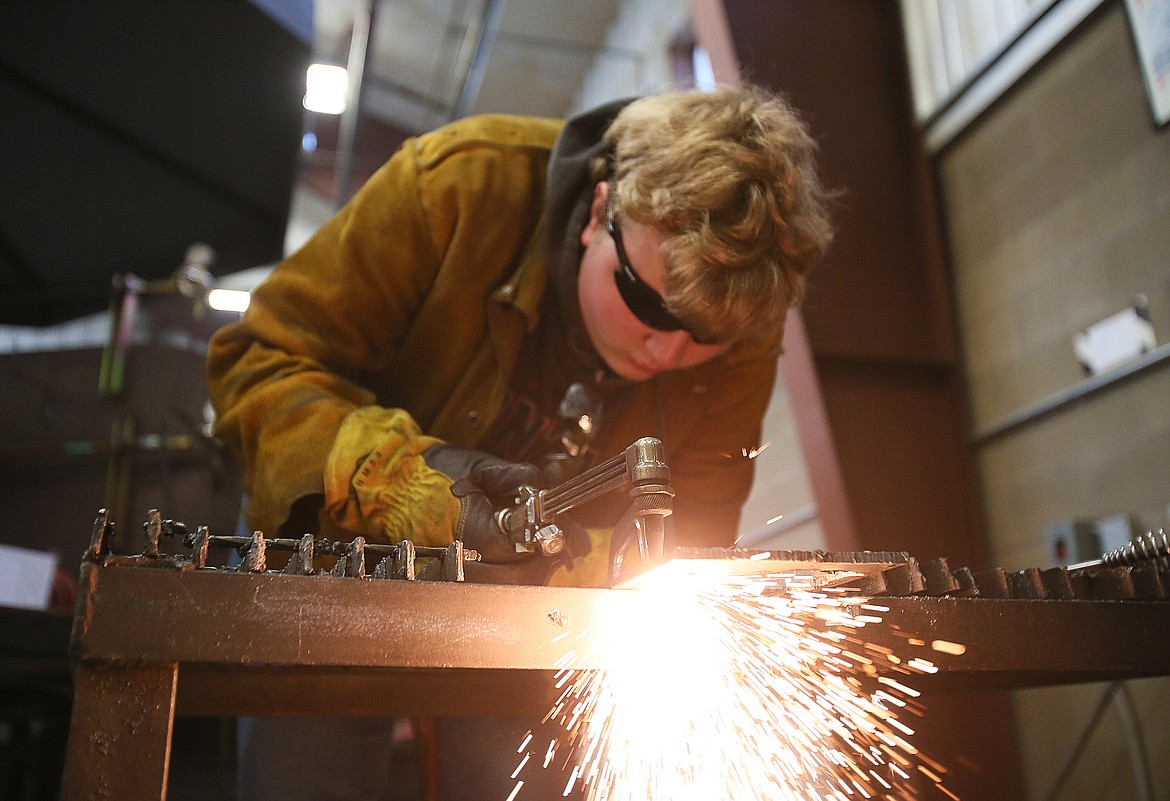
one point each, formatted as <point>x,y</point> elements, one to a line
<point>531,524</point>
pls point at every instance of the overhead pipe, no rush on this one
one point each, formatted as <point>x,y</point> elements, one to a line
<point>493,14</point>
<point>359,60</point>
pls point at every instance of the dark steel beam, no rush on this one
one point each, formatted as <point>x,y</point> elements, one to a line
<point>464,636</point>
<point>283,691</point>
<point>1013,643</point>
<point>136,615</point>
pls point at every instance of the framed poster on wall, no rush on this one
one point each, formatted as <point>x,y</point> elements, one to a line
<point>1150,21</point>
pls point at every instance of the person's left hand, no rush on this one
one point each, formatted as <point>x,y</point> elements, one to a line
<point>533,569</point>
<point>483,484</point>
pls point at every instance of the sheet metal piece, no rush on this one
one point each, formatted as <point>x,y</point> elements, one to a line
<point>741,561</point>
<point>815,568</point>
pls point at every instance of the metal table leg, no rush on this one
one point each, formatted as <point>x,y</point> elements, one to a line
<point>120,736</point>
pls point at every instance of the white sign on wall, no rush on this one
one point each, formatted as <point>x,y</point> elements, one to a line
<point>26,577</point>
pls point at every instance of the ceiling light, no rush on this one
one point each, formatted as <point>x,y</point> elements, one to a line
<point>231,300</point>
<point>326,87</point>
<point>704,71</point>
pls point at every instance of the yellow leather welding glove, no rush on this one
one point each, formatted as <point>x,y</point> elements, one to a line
<point>387,480</point>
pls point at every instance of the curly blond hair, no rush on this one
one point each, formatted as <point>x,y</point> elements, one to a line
<point>729,179</point>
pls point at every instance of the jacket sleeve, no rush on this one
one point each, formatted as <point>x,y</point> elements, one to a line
<point>286,376</point>
<point>710,473</point>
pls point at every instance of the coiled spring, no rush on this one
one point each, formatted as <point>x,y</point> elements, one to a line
<point>1151,548</point>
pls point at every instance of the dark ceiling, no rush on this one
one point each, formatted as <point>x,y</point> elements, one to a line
<point>132,130</point>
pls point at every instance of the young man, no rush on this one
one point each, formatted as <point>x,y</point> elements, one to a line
<point>644,254</point>
<point>513,296</point>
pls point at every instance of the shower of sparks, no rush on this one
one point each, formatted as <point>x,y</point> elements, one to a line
<point>717,686</point>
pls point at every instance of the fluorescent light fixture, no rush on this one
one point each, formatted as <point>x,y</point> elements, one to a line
<point>231,300</point>
<point>326,88</point>
<point>704,71</point>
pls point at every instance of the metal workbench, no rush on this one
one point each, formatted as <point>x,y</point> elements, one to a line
<point>153,639</point>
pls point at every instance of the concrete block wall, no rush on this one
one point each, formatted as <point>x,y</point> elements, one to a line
<point>1058,209</point>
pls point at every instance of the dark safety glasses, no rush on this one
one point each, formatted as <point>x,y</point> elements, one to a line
<point>643,300</point>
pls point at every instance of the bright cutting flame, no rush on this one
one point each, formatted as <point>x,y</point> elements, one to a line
<point>715,686</point>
